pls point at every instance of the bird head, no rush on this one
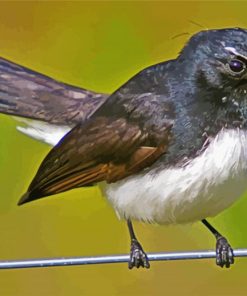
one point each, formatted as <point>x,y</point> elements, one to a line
<point>216,60</point>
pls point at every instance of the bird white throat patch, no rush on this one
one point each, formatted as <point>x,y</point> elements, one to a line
<point>207,185</point>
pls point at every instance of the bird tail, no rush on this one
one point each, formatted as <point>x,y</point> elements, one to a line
<point>29,94</point>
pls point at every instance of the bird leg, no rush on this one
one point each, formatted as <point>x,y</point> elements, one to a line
<point>137,256</point>
<point>224,252</point>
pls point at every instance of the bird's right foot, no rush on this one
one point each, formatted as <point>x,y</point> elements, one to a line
<point>137,256</point>
<point>224,253</point>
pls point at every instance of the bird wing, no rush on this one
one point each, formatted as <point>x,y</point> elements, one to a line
<point>102,149</point>
<point>28,94</point>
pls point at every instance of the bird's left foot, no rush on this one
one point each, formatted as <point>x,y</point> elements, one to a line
<point>224,253</point>
<point>137,256</point>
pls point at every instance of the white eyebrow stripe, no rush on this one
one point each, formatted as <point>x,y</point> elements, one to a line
<point>233,50</point>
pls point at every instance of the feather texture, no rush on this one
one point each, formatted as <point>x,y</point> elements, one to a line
<point>208,184</point>
<point>102,149</point>
<point>29,94</point>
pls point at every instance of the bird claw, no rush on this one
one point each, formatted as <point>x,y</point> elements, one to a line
<point>137,256</point>
<point>224,253</point>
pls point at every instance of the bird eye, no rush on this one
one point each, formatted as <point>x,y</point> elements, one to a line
<point>237,66</point>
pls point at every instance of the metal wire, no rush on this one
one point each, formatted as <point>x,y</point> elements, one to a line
<point>69,261</point>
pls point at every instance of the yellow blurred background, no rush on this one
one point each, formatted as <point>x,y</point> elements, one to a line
<point>99,45</point>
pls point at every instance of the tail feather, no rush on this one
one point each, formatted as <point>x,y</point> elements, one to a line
<point>28,94</point>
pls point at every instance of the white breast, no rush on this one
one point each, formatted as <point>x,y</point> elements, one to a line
<point>206,186</point>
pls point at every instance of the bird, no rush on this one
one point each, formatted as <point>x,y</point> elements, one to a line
<point>167,147</point>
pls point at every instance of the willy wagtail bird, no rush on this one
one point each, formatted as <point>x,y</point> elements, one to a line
<point>169,146</point>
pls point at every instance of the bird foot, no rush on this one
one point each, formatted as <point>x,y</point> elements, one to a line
<point>224,253</point>
<point>137,256</point>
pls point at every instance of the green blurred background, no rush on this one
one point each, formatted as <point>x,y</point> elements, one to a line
<point>99,45</point>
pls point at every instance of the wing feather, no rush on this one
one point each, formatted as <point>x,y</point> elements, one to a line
<point>104,149</point>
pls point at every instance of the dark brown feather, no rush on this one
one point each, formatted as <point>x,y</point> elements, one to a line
<point>104,149</point>
<point>32,95</point>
